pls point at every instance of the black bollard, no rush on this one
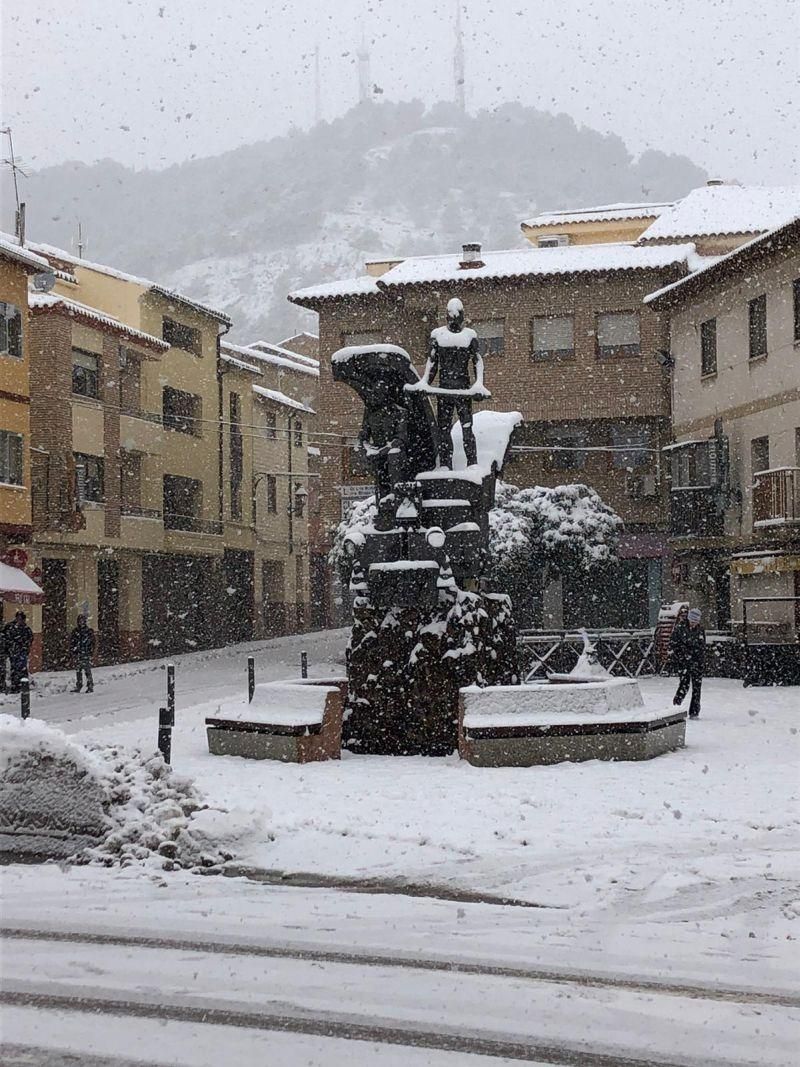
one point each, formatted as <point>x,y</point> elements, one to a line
<point>25,697</point>
<point>251,678</point>
<point>304,664</point>
<point>171,689</point>
<point>166,720</point>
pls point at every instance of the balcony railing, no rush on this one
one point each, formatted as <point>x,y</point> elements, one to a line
<point>191,523</point>
<point>776,497</point>
<point>695,511</point>
<point>134,511</point>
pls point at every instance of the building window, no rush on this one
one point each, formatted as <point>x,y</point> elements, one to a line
<point>88,478</point>
<point>708,347</point>
<point>10,458</point>
<point>298,433</point>
<point>10,330</point>
<point>236,455</point>
<point>632,444</point>
<point>182,411</point>
<point>757,313</point>
<point>694,465</point>
<point>362,337</point>
<point>618,334</point>
<point>272,494</point>
<point>553,337</point>
<point>271,425</point>
<point>567,445</point>
<point>796,294</point>
<point>183,503</point>
<point>85,373</point>
<point>491,337</point>
<point>179,335</point>
<point>759,455</point>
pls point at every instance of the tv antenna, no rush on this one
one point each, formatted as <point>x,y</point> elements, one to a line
<point>16,168</point>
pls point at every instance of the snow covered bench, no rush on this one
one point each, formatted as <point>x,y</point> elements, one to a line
<point>530,725</point>
<point>296,722</point>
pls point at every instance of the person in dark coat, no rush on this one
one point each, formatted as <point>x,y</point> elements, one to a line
<point>689,650</point>
<point>81,644</point>
<point>3,657</point>
<point>18,640</point>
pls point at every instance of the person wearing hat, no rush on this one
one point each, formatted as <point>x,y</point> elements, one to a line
<point>689,651</point>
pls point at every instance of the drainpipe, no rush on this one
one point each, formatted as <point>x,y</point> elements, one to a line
<point>221,420</point>
<point>290,508</point>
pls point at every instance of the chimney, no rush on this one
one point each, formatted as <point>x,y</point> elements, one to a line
<point>470,257</point>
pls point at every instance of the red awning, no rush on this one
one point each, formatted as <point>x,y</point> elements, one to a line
<point>17,587</point>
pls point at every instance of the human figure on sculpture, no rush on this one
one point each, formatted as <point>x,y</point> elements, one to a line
<point>452,348</point>
<point>383,437</point>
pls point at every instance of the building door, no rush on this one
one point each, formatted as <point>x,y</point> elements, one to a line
<point>108,610</point>
<point>273,606</point>
<point>55,640</point>
<point>237,624</point>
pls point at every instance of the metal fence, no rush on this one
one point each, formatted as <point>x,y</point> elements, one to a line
<point>626,653</point>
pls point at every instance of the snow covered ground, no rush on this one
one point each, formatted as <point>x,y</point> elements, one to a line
<point>681,870</point>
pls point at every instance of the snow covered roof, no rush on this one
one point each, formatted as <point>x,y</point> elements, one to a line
<point>715,210</point>
<point>112,272</point>
<point>601,213</point>
<point>241,365</point>
<point>285,353</point>
<point>542,262</point>
<point>250,353</point>
<point>719,265</point>
<point>364,285</point>
<point>10,248</point>
<point>93,317</point>
<point>281,398</point>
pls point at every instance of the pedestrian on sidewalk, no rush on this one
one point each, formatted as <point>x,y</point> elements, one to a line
<point>81,643</point>
<point>18,640</point>
<point>689,656</point>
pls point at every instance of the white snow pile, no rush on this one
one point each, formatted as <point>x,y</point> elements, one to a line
<point>106,804</point>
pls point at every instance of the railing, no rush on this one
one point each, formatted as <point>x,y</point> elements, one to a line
<point>694,512</point>
<point>628,653</point>
<point>134,511</point>
<point>776,497</point>
<point>191,524</point>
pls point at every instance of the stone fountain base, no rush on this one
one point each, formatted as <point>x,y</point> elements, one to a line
<point>530,725</point>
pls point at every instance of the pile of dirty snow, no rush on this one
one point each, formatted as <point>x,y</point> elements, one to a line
<point>106,804</point>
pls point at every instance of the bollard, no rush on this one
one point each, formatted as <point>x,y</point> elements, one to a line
<point>166,720</point>
<point>171,689</point>
<point>251,678</point>
<point>304,664</point>
<point>25,697</point>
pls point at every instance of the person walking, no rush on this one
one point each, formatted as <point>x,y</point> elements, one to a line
<point>18,640</point>
<point>81,643</point>
<point>689,652</point>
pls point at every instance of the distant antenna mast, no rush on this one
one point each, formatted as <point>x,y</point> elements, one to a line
<point>16,168</point>
<point>80,240</point>
<point>317,89</point>
<point>458,62</point>
<point>364,87</point>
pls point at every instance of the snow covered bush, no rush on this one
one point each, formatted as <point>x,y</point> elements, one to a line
<point>357,522</point>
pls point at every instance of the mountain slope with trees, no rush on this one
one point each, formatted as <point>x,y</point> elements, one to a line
<point>239,230</point>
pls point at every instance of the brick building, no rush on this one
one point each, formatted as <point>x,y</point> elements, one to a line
<point>566,342</point>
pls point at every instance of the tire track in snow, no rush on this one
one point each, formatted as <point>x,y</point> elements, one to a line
<point>366,959</point>
<point>350,1028</point>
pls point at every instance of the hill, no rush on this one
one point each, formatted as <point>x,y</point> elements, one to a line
<point>239,230</point>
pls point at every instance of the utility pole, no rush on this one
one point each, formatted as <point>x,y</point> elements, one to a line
<point>458,63</point>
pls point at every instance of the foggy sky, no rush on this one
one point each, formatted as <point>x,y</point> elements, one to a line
<point>153,82</point>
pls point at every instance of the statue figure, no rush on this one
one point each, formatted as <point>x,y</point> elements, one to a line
<point>452,348</point>
<point>384,439</point>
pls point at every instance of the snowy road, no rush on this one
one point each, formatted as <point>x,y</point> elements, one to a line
<point>562,1018</point>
